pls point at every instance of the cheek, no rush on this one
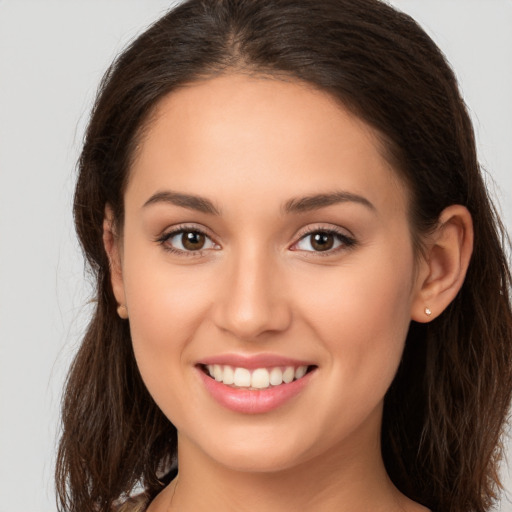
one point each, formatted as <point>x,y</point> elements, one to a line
<point>166,308</point>
<point>165,313</point>
<point>164,299</point>
<point>362,316</point>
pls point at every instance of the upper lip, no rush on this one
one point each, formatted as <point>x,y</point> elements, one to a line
<point>253,361</point>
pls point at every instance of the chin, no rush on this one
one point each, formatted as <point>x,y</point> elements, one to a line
<point>257,462</point>
<point>254,452</point>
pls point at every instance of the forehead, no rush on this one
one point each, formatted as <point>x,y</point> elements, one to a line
<point>253,134</point>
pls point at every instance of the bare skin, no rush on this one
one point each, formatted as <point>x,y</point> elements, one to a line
<point>232,164</point>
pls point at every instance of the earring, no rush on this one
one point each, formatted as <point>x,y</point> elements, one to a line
<point>122,312</point>
<point>428,311</point>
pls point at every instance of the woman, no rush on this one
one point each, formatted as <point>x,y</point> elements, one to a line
<point>303,299</point>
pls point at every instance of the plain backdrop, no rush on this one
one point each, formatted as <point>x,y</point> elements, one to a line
<point>52,56</point>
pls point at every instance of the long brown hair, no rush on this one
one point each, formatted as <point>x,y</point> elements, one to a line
<point>445,411</point>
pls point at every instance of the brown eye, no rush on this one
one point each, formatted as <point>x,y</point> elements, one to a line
<point>185,241</point>
<point>322,241</point>
<point>192,240</point>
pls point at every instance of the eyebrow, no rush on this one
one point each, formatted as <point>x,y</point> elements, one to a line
<point>192,202</point>
<point>317,201</point>
<point>295,205</point>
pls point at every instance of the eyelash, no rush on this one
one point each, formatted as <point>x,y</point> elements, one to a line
<point>165,237</point>
<point>346,242</point>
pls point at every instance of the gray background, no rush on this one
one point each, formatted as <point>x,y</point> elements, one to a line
<point>52,55</point>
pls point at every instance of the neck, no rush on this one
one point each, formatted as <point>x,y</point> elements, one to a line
<point>350,477</point>
<point>308,487</point>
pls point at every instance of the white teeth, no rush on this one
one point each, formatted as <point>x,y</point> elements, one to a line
<point>242,378</point>
<point>288,374</point>
<point>259,378</point>
<point>229,375</point>
<point>276,376</point>
<point>300,372</point>
<point>217,372</point>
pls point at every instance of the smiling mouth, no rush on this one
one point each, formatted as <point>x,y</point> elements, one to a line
<point>257,378</point>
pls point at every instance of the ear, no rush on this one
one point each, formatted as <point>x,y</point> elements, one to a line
<point>444,265</point>
<point>112,244</point>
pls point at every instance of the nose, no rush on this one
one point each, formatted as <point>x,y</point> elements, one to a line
<point>252,300</point>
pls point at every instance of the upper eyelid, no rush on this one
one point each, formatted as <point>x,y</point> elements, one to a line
<point>173,230</point>
<point>326,228</point>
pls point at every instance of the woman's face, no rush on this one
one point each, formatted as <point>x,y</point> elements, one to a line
<point>265,235</point>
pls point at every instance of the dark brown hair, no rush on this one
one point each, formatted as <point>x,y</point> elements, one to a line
<point>445,411</point>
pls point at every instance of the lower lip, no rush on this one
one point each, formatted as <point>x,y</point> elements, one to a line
<point>253,401</point>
